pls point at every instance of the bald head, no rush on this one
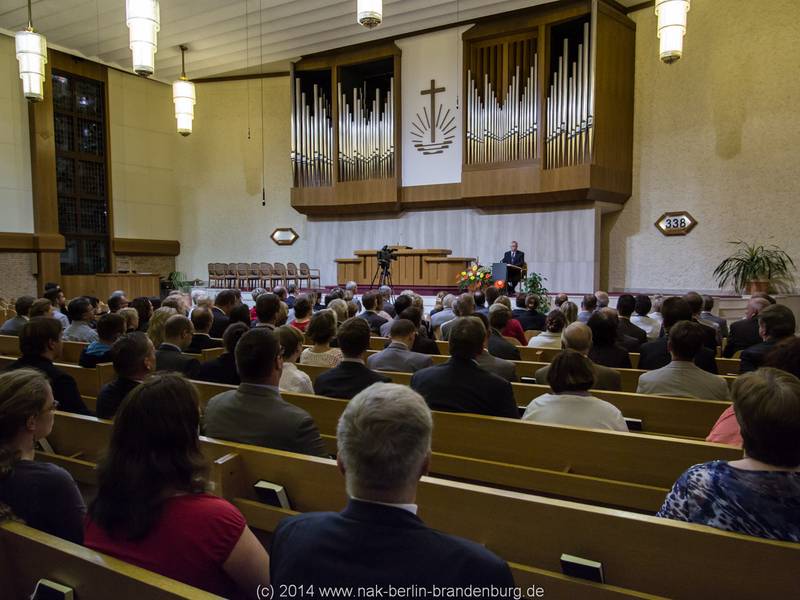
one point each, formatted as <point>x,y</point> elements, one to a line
<point>577,336</point>
<point>602,298</point>
<point>755,306</point>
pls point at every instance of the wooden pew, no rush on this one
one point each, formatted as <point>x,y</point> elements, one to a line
<point>9,345</point>
<point>211,354</point>
<point>662,415</point>
<point>640,554</point>
<point>71,351</point>
<point>30,555</point>
<point>89,380</point>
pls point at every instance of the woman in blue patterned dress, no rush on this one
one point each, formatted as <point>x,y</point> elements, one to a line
<point>760,494</point>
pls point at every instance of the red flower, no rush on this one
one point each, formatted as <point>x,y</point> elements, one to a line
<point>499,284</point>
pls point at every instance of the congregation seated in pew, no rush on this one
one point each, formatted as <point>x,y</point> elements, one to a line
<point>384,447</point>
<point>571,376</point>
<point>223,368</point>
<point>578,337</point>
<point>41,345</point>
<point>529,316</point>
<point>170,355</point>
<point>144,309</point>
<point>758,495</point>
<point>775,324</point>
<point>499,346</point>
<point>551,333</point>
<point>499,366</point>
<point>41,494</point>
<point>710,330</point>
<point>156,324</point>
<point>254,413</point>
<point>131,317</point>
<point>606,348</point>
<point>303,308</point>
<point>402,302</point>
<point>681,377</point>
<point>460,385</point>
<point>398,356</point>
<point>463,306</point>
<point>642,319</point>
<point>14,325</point>
<point>626,304</point>
<point>152,508</point>
<point>109,329</point>
<point>351,375</point>
<point>224,302</point>
<point>744,333</point>
<point>133,357</point>
<point>372,302</point>
<point>81,315</point>
<point>202,319</point>
<point>424,343</point>
<point>322,330</point>
<point>292,378</point>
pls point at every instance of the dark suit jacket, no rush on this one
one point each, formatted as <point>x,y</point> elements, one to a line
<point>65,390</point>
<point>388,308</point>
<point>255,414</point>
<point>220,324</point>
<point>631,330</point>
<point>531,320</point>
<point>460,385</point>
<point>655,355</point>
<point>518,260</point>
<point>170,358</point>
<point>220,370</point>
<point>90,361</point>
<point>374,319</point>
<point>346,380</point>
<point>754,356</point>
<point>370,544</point>
<point>111,396</point>
<point>202,341</point>
<point>710,335</point>
<point>614,356</point>
<point>501,347</point>
<point>743,334</point>
<point>425,345</point>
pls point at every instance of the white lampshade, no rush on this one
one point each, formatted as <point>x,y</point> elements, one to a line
<point>370,13</point>
<point>671,28</point>
<point>32,56</point>
<point>144,21</point>
<point>183,96</point>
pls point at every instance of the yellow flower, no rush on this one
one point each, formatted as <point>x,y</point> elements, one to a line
<point>463,273</point>
<point>472,277</point>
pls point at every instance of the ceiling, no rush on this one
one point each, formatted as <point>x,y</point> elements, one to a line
<point>229,37</point>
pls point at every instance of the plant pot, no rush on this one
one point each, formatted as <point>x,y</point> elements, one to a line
<point>757,285</point>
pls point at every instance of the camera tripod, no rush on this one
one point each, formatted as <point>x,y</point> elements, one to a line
<point>383,274</point>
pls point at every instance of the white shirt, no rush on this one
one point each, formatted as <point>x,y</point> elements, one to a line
<point>651,326</point>
<point>575,410</point>
<point>330,358</point>
<point>412,508</point>
<point>546,339</point>
<point>295,380</point>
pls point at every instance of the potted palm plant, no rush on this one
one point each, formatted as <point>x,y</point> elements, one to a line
<point>754,268</point>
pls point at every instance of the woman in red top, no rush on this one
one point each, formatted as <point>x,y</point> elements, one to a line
<point>151,508</point>
<point>513,328</point>
<point>302,313</point>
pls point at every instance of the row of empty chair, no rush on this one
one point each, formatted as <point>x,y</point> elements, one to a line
<point>260,274</point>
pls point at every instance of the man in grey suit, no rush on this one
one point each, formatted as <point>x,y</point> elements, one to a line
<point>446,314</point>
<point>707,315</point>
<point>499,366</point>
<point>15,324</point>
<point>397,356</point>
<point>254,413</point>
<point>464,306</point>
<point>578,336</point>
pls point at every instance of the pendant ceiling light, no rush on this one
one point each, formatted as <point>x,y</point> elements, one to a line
<point>144,20</point>
<point>370,13</point>
<point>671,28</point>
<point>183,95</point>
<point>31,50</point>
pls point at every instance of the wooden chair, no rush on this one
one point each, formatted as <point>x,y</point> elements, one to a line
<point>243,275</point>
<point>214,276</point>
<point>30,555</point>
<point>231,275</point>
<point>9,345</point>
<point>292,274</point>
<point>267,274</point>
<point>254,275</point>
<point>309,274</point>
<point>280,273</point>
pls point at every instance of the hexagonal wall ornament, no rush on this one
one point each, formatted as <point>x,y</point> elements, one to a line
<point>284,236</point>
<point>676,223</point>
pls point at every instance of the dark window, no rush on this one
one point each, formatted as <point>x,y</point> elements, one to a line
<point>80,113</point>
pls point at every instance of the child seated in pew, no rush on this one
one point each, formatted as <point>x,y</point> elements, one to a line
<point>152,508</point>
<point>758,495</point>
<point>42,494</point>
<point>571,376</point>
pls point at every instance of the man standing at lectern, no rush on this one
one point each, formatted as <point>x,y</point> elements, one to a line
<point>516,258</point>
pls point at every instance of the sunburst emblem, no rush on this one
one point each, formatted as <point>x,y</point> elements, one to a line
<point>432,131</point>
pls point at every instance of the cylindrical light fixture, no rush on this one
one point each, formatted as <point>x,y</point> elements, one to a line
<point>144,21</point>
<point>671,28</point>
<point>31,49</point>
<point>183,95</point>
<point>370,13</point>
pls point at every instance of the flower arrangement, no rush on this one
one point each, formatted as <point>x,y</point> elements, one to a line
<point>475,277</point>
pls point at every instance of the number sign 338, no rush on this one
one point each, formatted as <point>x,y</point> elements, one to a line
<point>676,223</point>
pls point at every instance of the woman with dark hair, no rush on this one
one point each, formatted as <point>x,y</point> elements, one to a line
<point>321,330</point>
<point>292,378</point>
<point>553,328</point>
<point>152,508</point>
<point>239,314</point>
<point>144,307</point>
<point>571,376</point>
<point>40,493</point>
<point>302,312</point>
<point>758,495</point>
<point>223,368</point>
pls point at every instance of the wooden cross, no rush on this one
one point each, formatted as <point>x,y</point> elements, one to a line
<point>432,92</point>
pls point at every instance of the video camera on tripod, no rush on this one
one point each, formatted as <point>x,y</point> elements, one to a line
<point>385,255</point>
